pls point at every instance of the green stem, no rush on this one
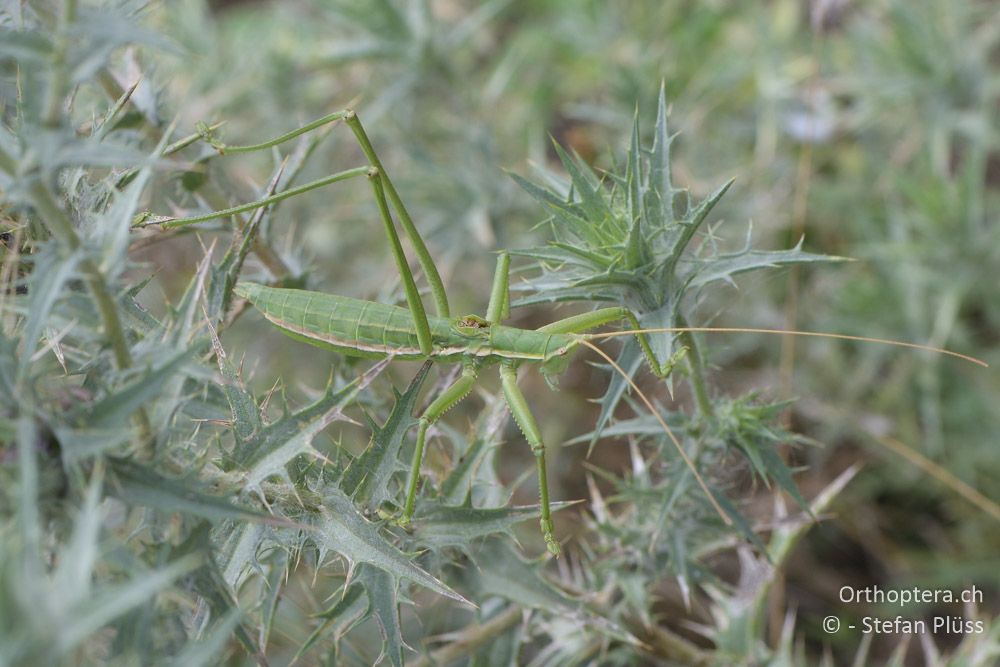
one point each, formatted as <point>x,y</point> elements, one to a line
<point>423,256</point>
<point>170,223</point>
<point>58,81</point>
<point>697,368</point>
<point>62,228</point>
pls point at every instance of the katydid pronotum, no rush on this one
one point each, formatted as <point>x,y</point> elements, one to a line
<point>375,330</point>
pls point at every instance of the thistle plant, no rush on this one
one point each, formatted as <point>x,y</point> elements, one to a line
<point>637,239</point>
<point>164,499</point>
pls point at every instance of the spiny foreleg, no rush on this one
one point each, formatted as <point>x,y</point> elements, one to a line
<point>579,324</point>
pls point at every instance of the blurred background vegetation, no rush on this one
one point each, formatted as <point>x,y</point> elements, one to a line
<point>870,127</point>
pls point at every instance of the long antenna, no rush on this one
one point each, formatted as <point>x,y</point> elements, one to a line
<point>666,429</point>
<point>791,332</point>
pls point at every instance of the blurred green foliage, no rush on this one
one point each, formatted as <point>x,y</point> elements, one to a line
<point>161,503</point>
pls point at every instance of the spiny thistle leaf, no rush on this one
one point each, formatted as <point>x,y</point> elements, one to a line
<point>238,555</point>
<point>208,581</point>
<point>747,424</point>
<point>115,408</point>
<point>74,596</point>
<point>108,227</point>
<point>586,185</point>
<point>47,283</point>
<point>105,605</point>
<point>724,267</point>
<point>660,195</point>
<point>502,572</point>
<point>383,603</point>
<point>268,451</point>
<point>367,477</point>
<point>104,425</point>
<point>340,528</point>
<point>206,650</point>
<point>246,419</point>
<point>141,485</point>
<point>679,235</point>
<point>350,609</point>
<point>440,526</point>
<point>225,274</point>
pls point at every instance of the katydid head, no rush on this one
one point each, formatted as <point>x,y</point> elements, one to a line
<point>472,326</point>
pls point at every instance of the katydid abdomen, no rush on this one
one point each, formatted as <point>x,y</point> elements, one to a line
<point>375,330</point>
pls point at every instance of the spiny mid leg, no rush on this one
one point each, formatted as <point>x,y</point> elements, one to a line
<point>455,392</point>
<point>526,421</point>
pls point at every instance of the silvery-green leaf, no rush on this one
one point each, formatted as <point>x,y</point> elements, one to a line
<point>442,526</point>
<point>367,478</point>
<point>52,270</point>
<point>349,609</point>
<point>383,603</point>
<point>724,267</point>
<point>140,485</point>
<point>269,450</point>
<point>112,602</point>
<point>343,530</point>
